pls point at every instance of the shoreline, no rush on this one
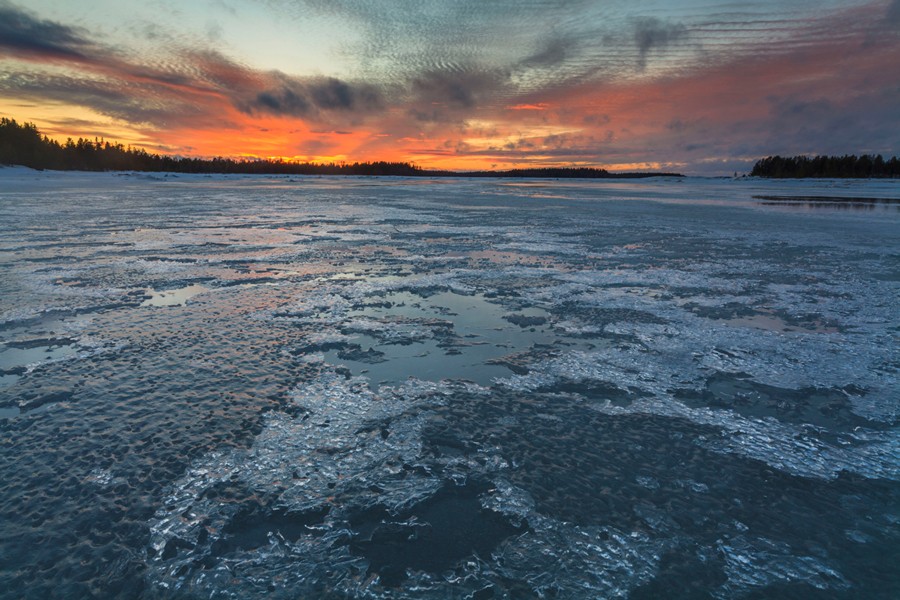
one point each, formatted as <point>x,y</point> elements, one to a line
<point>540,173</point>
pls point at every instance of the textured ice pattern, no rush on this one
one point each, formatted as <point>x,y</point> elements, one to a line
<point>408,389</point>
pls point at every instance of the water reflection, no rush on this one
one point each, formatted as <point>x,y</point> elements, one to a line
<point>445,336</point>
<point>859,203</point>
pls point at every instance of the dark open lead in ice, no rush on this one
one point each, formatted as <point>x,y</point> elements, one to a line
<point>433,536</point>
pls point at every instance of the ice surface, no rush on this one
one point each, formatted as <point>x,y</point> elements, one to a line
<point>756,563</point>
<point>389,388</point>
<point>176,297</point>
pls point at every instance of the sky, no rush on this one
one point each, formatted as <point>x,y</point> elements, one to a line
<point>696,86</point>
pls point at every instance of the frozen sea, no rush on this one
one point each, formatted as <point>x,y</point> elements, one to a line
<point>301,387</point>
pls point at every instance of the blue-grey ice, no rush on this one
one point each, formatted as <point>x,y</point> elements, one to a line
<point>237,387</point>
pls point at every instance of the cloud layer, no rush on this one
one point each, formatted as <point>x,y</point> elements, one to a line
<point>473,84</point>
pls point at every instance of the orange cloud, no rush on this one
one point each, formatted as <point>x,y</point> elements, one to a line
<point>538,106</point>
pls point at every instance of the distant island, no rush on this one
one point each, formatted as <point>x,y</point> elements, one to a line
<point>850,166</point>
<point>23,144</point>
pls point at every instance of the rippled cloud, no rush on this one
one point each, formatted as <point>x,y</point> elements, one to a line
<point>468,84</point>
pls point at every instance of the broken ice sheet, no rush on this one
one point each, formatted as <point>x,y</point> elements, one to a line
<point>749,361</point>
<point>659,343</point>
<point>344,449</point>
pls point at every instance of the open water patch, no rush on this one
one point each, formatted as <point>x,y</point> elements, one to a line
<point>437,335</point>
<point>17,356</point>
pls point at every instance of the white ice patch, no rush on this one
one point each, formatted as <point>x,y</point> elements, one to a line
<point>448,280</point>
<point>174,297</point>
<point>324,338</point>
<point>569,561</point>
<point>541,243</point>
<point>793,449</point>
<point>620,366</point>
<point>752,563</point>
<point>389,332</point>
<point>103,478</point>
<point>322,305</point>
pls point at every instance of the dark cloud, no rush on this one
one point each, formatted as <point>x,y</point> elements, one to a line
<point>593,119</point>
<point>554,53</point>
<point>520,145</point>
<point>456,89</point>
<point>677,125</point>
<point>444,88</point>
<point>134,104</point>
<point>427,116</point>
<point>801,109</point>
<point>451,96</point>
<point>24,34</point>
<point>807,124</point>
<point>284,101</point>
<point>893,13</point>
<point>651,33</point>
<point>334,94</point>
<point>308,97</point>
<point>799,125</point>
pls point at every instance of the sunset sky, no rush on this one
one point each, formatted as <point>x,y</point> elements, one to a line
<point>697,86</point>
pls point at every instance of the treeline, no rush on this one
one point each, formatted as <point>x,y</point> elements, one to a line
<point>24,145</point>
<point>848,166</point>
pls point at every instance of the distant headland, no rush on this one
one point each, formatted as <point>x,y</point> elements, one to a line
<point>23,144</point>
